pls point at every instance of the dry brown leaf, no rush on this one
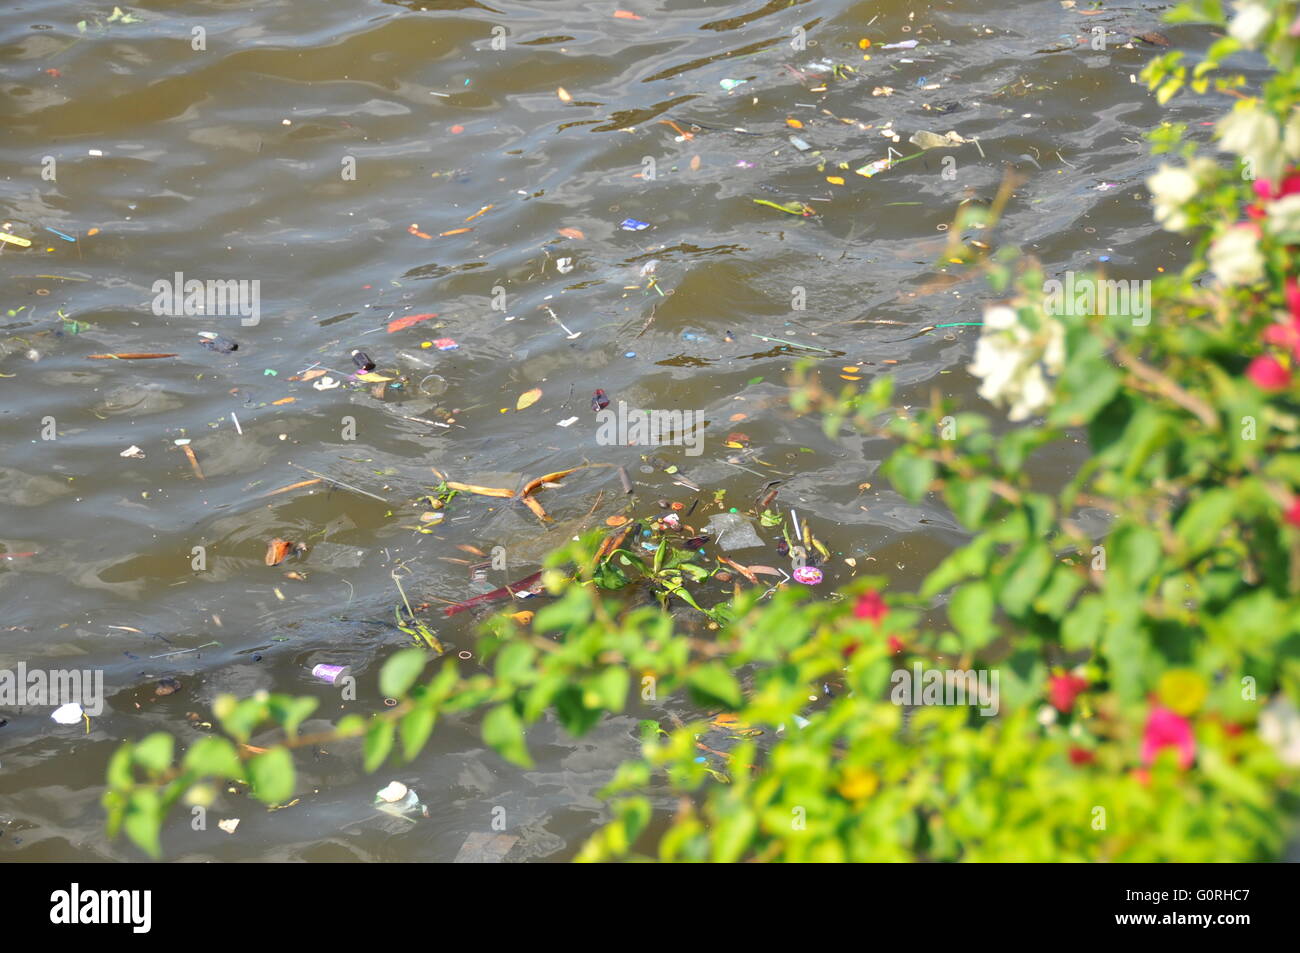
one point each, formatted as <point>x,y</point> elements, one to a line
<point>480,490</point>
<point>536,508</point>
<point>277,550</point>
<point>533,485</point>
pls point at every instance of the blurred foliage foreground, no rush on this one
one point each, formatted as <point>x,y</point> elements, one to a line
<point>1131,689</point>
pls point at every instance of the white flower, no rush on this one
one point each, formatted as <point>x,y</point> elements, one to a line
<point>1171,188</point>
<point>1279,726</point>
<point>1253,134</point>
<point>1284,215</point>
<point>1054,352</point>
<point>1250,24</point>
<point>1007,361</point>
<point>1235,257</point>
<point>1291,136</point>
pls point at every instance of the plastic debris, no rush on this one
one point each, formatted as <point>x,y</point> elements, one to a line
<point>900,45</point>
<point>397,799</point>
<point>808,575</point>
<point>229,824</point>
<point>871,168</point>
<point>732,531</point>
<point>930,140</point>
<point>68,714</point>
<point>215,342</point>
<point>362,360</point>
<point>445,344</point>
<point>599,400</point>
<point>730,84</point>
<point>329,673</point>
<point>633,225</point>
<point>799,144</point>
<point>132,451</point>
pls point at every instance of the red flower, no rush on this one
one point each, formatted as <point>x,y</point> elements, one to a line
<point>1293,512</point>
<point>895,644</point>
<point>1081,756</point>
<point>870,606</point>
<point>1062,690</point>
<point>1267,373</point>
<point>1167,729</point>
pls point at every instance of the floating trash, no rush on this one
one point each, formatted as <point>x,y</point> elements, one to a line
<point>215,342</point>
<point>732,531</point>
<point>808,575</point>
<point>871,168</point>
<point>68,714</point>
<point>633,225</point>
<point>329,673</point>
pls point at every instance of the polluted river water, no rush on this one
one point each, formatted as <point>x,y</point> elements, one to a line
<point>488,201</point>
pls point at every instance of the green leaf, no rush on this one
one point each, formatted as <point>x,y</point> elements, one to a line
<point>416,727</point>
<point>910,473</point>
<point>1082,627</point>
<point>119,767</point>
<point>969,499</point>
<point>214,757</point>
<point>504,733</point>
<point>290,712</point>
<point>1026,577</point>
<point>378,743</point>
<point>400,672</point>
<point>713,684</point>
<point>971,613</point>
<point>154,753</point>
<point>271,776</point>
<point>1203,521</point>
<point>143,821</point>
<point>515,663</point>
<point>607,689</point>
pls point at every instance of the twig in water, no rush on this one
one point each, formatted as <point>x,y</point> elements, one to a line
<point>346,486</point>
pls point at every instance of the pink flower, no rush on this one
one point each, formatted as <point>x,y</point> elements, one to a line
<point>871,606</point>
<point>1293,298</point>
<point>1267,373</point>
<point>1266,190</point>
<point>895,644</point>
<point>1062,690</point>
<point>1167,729</point>
<point>1293,512</point>
<point>1286,336</point>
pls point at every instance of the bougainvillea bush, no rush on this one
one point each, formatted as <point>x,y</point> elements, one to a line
<point>1146,666</point>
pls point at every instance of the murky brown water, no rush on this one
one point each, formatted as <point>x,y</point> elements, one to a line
<point>233,162</point>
